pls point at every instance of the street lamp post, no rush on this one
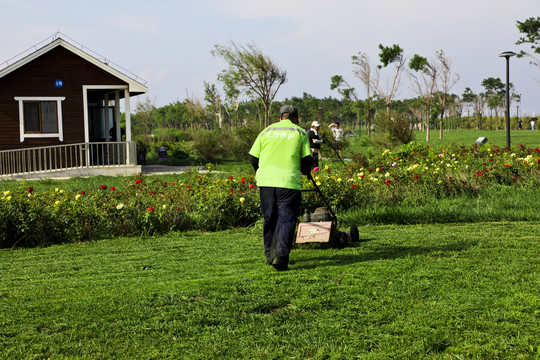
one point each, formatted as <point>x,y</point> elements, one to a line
<point>507,55</point>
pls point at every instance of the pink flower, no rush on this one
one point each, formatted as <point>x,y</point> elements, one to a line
<point>316,168</point>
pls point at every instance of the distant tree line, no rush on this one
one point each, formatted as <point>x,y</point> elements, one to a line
<point>252,80</point>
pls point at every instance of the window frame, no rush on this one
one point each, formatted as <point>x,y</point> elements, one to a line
<point>31,99</point>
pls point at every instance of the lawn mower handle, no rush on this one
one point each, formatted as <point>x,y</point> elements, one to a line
<point>334,217</point>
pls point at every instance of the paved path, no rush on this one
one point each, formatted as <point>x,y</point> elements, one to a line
<point>164,169</point>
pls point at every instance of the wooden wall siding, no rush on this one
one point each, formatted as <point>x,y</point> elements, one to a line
<point>37,78</point>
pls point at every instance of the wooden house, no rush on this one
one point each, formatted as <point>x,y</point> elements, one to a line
<point>60,112</point>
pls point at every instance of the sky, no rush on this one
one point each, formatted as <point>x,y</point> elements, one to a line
<point>168,43</point>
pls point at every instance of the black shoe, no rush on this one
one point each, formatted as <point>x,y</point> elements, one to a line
<point>281,263</point>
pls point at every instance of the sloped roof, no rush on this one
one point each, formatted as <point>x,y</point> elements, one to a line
<point>134,85</point>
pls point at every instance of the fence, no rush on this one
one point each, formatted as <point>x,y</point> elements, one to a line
<point>65,157</point>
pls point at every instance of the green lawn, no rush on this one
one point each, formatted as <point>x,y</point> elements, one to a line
<point>468,137</point>
<point>442,291</point>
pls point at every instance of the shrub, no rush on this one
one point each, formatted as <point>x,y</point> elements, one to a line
<point>209,144</point>
<point>392,129</point>
<point>240,143</point>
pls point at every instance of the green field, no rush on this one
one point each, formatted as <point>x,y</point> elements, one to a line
<point>468,137</point>
<point>405,292</point>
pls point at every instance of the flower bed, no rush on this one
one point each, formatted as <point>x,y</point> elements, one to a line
<point>149,205</point>
<point>420,172</point>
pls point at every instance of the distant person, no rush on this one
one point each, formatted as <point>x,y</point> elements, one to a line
<point>315,142</point>
<point>338,136</point>
<point>532,121</point>
<point>520,125</point>
<point>281,155</point>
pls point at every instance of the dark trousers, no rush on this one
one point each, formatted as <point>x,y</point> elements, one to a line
<point>280,208</point>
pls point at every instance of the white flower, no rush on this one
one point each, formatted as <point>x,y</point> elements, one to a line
<point>119,206</point>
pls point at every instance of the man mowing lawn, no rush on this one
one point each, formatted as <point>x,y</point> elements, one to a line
<point>280,155</point>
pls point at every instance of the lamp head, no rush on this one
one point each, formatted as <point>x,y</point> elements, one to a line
<point>507,54</point>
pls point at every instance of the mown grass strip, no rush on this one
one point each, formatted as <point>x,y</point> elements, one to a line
<point>418,291</point>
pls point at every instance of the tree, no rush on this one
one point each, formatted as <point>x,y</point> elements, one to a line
<point>531,30</point>
<point>495,92</point>
<point>447,80</point>
<point>389,55</point>
<point>478,102</point>
<point>213,102</point>
<point>362,70</point>
<point>252,71</point>
<point>144,114</point>
<point>424,81</point>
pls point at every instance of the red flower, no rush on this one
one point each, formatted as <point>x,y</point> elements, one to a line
<point>189,186</point>
<point>179,208</point>
<point>416,176</point>
<point>113,188</point>
<point>103,187</point>
<point>387,182</point>
<point>30,189</point>
<point>362,176</point>
<point>353,186</point>
<point>251,186</point>
<point>521,145</point>
<point>230,177</point>
<point>138,181</point>
<point>243,180</point>
<point>172,184</point>
<point>152,193</point>
<point>83,192</point>
<point>150,209</point>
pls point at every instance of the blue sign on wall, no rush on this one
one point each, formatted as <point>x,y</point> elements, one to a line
<point>59,83</point>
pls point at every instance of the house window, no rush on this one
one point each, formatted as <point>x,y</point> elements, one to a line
<point>40,117</point>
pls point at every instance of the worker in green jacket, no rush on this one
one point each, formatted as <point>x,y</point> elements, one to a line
<point>280,155</point>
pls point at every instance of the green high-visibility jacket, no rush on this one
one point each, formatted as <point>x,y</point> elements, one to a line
<point>280,148</point>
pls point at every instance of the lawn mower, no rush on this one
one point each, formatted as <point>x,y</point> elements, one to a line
<point>321,226</point>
